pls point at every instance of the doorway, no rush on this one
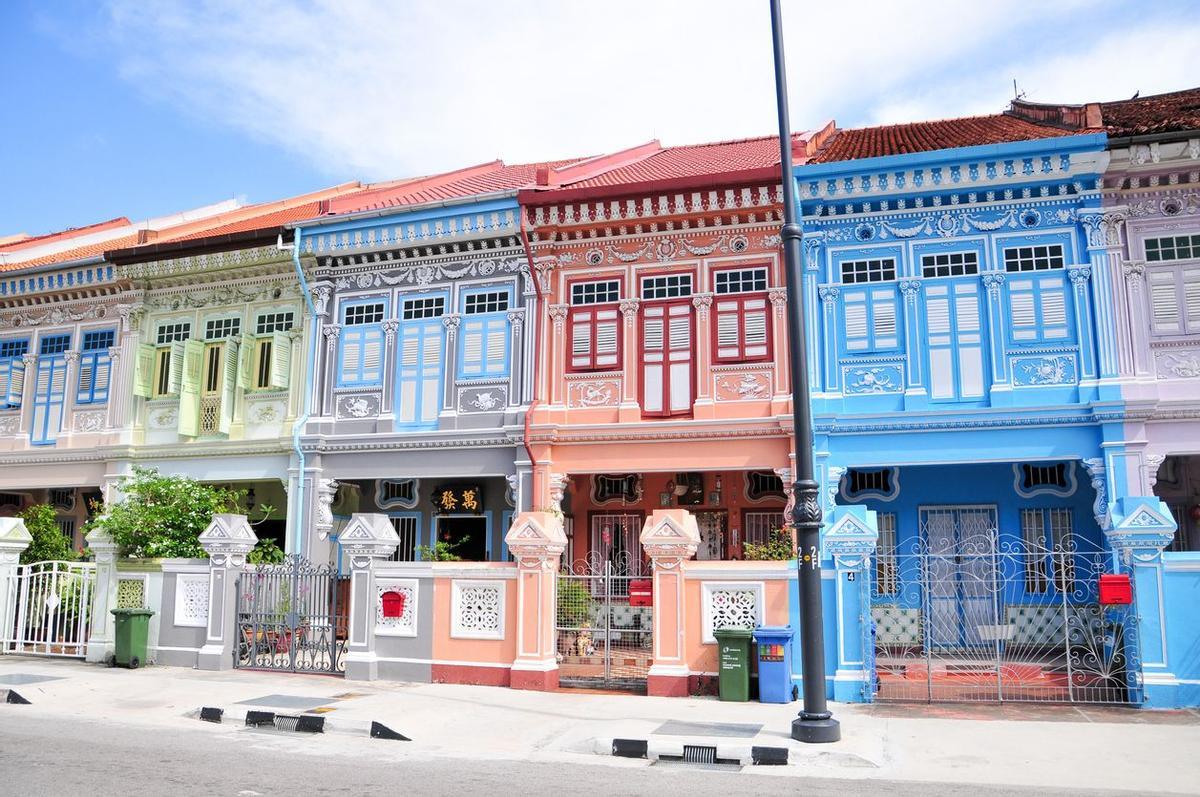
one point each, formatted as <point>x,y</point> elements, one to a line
<point>466,535</point>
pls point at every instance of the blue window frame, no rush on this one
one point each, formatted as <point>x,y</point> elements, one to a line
<point>420,360</point>
<point>50,389</point>
<point>360,348</point>
<point>483,340</point>
<point>12,372</point>
<point>95,366</point>
<point>1039,309</point>
<point>870,320</point>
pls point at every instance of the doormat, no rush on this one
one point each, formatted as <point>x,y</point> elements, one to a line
<point>729,729</point>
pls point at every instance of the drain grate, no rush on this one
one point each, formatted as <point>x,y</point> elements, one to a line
<point>699,754</point>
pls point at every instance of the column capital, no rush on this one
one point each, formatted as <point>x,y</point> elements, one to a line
<point>558,314</point>
<point>829,294</point>
<point>389,330</point>
<point>629,309</point>
<point>331,333</point>
<point>702,302</point>
<point>228,539</point>
<point>72,357</point>
<point>321,293</point>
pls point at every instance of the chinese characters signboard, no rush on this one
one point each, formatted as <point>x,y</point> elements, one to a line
<point>458,499</point>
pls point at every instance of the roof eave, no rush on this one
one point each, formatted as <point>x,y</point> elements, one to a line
<point>529,196</point>
<point>195,246</point>
<point>338,218</point>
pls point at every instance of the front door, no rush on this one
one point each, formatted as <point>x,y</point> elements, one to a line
<point>713,530</point>
<point>467,536</point>
<point>419,373</point>
<point>960,543</point>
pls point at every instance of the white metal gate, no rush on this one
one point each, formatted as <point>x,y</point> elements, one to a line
<point>50,609</point>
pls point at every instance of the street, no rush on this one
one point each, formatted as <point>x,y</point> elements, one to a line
<point>41,756</point>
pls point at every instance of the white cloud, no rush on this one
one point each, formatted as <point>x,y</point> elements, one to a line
<point>386,89</point>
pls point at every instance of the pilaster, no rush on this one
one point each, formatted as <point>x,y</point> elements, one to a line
<point>14,539</point>
<point>227,541</point>
<point>703,407</point>
<point>850,540</point>
<point>366,540</point>
<point>669,537</point>
<point>630,409</point>
<point>104,595</point>
<point>537,541</point>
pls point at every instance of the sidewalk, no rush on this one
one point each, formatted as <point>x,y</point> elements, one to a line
<point>1052,746</point>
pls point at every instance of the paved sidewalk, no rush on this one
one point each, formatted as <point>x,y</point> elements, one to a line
<point>1063,747</point>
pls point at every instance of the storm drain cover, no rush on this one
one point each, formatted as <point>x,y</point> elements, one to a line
<point>727,729</point>
<point>16,678</point>
<point>287,701</point>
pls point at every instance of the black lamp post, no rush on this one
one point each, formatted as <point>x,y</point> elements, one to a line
<point>815,723</point>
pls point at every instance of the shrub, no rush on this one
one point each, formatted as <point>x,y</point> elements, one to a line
<point>267,552</point>
<point>441,551</point>
<point>574,603</point>
<point>777,547</point>
<point>49,543</point>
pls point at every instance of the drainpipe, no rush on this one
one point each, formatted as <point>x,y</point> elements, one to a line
<point>537,348</point>
<point>302,421</point>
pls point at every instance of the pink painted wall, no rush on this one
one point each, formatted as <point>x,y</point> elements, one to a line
<point>701,657</point>
<point>457,654</point>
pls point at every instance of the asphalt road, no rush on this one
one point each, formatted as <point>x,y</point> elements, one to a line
<point>40,756</point>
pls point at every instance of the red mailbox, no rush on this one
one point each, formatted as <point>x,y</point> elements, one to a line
<point>1115,589</point>
<point>393,604</point>
<point>641,592</point>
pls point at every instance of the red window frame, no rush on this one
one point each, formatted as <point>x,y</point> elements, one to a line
<point>573,310</point>
<point>666,304</point>
<point>741,299</point>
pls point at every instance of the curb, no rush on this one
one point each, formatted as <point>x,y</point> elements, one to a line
<point>718,752</point>
<point>297,723</point>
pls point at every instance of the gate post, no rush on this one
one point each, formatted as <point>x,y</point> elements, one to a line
<point>227,540</point>
<point>536,540</point>
<point>669,537</point>
<point>14,539</point>
<point>850,541</point>
<point>104,595</point>
<point>366,539</point>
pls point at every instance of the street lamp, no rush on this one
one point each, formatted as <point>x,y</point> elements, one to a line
<point>815,723</point>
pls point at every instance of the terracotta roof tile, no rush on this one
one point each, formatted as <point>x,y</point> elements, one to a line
<point>74,232</point>
<point>1159,113</point>
<point>971,131</point>
<point>691,160</point>
<point>264,221</point>
<point>69,255</point>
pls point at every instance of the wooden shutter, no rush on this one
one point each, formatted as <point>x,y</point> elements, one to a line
<point>654,336</point>
<point>756,328</point>
<point>191,371</point>
<point>49,392</point>
<point>883,318</point>
<point>16,382</point>
<point>351,356</point>
<point>87,376</point>
<point>281,360</point>
<point>1052,298</point>
<point>143,371</point>
<point>941,345</point>
<point>372,356</point>
<point>245,363</point>
<point>409,376</point>
<point>473,330</point>
<point>229,378</point>
<point>582,324</point>
<point>1165,315</point>
<point>101,377</point>
<point>1022,303</point>
<point>431,372</point>
<point>595,338</point>
<point>679,357</point>
<point>1191,298</point>
<point>968,339</point>
<point>496,346</point>
<point>667,359</point>
<point>854,303</point>
<point>175,378</point>
<point>728,317</point>
<point>608,339</point>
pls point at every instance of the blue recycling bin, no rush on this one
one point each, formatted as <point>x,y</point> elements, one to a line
<point>774,650</point>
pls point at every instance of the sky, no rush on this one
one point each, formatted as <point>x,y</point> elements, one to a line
<point>142,108</point>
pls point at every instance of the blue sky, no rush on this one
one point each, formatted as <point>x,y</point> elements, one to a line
<point>147,107</point>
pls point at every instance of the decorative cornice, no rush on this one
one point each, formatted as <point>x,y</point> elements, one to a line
<point>212,261</point>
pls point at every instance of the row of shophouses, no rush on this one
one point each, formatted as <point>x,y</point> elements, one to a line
<point>1004,353</point>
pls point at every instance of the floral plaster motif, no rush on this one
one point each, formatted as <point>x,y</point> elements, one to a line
<point>873,379</point>
<point>358,406</point>
<point>600,393</point>
<point>164,419</point>
<point>1056,369</point>
<point>267,412</point>
<point>1178,364</point>
<point>92,421</point>
<point>735,387</point>
<point>8,424</point>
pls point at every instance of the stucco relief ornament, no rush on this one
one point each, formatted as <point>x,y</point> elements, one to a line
<point>326,490</point>
<point>321,299</point>
<point>265,413</point>
<point>8,425</point>
<point>1134,270</point>
<point>516,318</point>
<point>1048,371</point>
<point>746,386</point>
<point>89,421</point>
<point>1185,365</point>
<point>485,401</point>
<point>389,329</point>
<point>593,257</point>
<point>596,394</point>
<point>922,226</point>
<point>770,241</point>
<point>131,317</point>
<point>357,406</point>
<point>702,302</point>
<point>1095,469</point>
<point>558,314</point>
<point>331,333</point>
<point>451,321</point>
<point>994,282</point>
<point>629,309</point>
<point>544,266</point>
<point>645,250</point>
<point>164,419</point>
<point>911,290</point>
<point>828,295</point>
<point>874,380</point>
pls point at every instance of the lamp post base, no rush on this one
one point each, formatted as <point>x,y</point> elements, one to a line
<point>816,731</point>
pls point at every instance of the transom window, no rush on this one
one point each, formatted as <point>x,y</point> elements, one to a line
<point>596,292</point>
<point>55,344</point>
<point>878,270</point>
<point>424,307</point>
<point>761,484</point>
<point>1034,258</point>
<point>1175,247</point>
<point>169,333</point>
<point>489,302</point>
<point>13,348</point>
<point>744,280</point>
<point>99,340</point>
<point>1034,476</point>
<point>950,264</point>
<point>358,314</point>
<point>396,493</point>
<point>274,322</point>
<point>221,328</point>
<point>667,286</point>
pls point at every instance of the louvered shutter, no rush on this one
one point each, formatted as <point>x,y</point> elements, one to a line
<point>1053,299</point>
<point>281,360</point>
<point>608,339</point>
<point>6,375</point>
<point>245,362</point>
<point>582,325</point>
<point>409,376</point>
<point>431,372</point>
<point>1165,310</point>
<point>101,377</point>
<point>351,356</point>
<point>372,356</point>
<point>473,330</point>
<point>595,339</point>
<point>87,377</point>
<point>854,303</point>
<point>654,334</point>
<point>969,340</point>
<point>883,318</point>
<point>1023,310</point>
<point>679,357</point>
<point>190,374</point>
<point>16,382</point>
<point>229,378</point>
<point>1191,298</point>
<point>496,341</point>
<point>755,328</point>
<point>175,378</point>
<point>143,371</point>
<point>728,316</point>
<point>941,347</point>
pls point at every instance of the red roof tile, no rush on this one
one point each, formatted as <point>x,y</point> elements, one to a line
<point>74,232</point>
<point>1159,113</point>
<point>68,255</point>
<point>971,131</point>
<point>691,160</point>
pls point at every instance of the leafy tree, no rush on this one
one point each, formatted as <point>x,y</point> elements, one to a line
<point>49,543</point>
<point>163,516</point>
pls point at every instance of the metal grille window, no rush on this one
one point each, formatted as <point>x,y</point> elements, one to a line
<point>757,526</point>
<point>212,368</point>
<point>744,280</point>
<point>860,483</point>
<point>762,484</point>
<point>886,581</point>
<point>221,328</point>
<point>359,314</point>
<point>858,271</point>
<point>612,487</point>
<point>396,493</point>
<point>67,527</point>
<point>950,264</point>
<point>274,322</point>
<point>63,498</point>
<point>1034,476</point>
<point>162,380</point>
<point>1175,247</point>
<point>490,302</point>
<point>55,344</point>
<point>667,286</point>
<point>407,528</point>
<point>10,499</point>
<point>169,333</point>
<point>1033,258</point>
<point>1048,534</point>
<point>424,307</point>
<point>596,292</point>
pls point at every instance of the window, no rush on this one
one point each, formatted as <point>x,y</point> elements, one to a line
<point>169,333</point>
<point>596,292</point>
<point>162,373</point>
<point>212,368</point>
<point>1048,536</point>
<point>858,271</point>
<point>758,525</point>
<point>1174,300</point>
<point>361,345</point>
<point>950,264</point>
<point>1175,247</point>
<point>745,280</point>
<point>95,367</point>
<point>63,498</point>
<point>424,307</point>
<point>1033,534</point>
<point>483,350</point>
<point>667,358</point>
<point>1033,258</point>
<point>763,484</point>
<point>274,322</point>
<point>50,389</point>
<point>12,372</point>
<point>358,314</point>
<point>623,487</point>
<point>667,286</point>
<point>54,344</point>
<point>408,530</point>
<point>870,319</point>
<point>886,581</point>
<point>1038,309</point>
<point>221,328</point>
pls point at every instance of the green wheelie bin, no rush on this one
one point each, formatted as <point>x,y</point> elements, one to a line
<point>130,635</point>
<point>733,663</point>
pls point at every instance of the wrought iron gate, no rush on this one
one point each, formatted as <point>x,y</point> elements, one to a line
<point>292,616</point>
<point>51,605</point>
<point>603,638</point>
<point>968,614</point>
